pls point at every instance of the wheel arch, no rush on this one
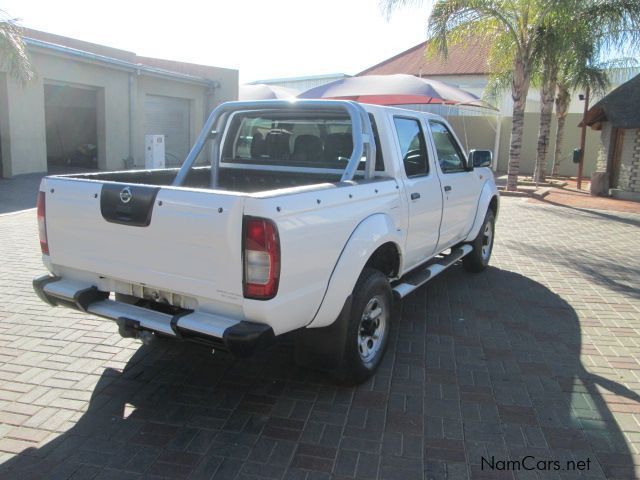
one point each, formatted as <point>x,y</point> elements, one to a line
<point>489,200</point>
<point>375,243</point>
<point>386,259</point>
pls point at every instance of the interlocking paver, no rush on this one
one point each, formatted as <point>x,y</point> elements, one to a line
<point>539,356</point>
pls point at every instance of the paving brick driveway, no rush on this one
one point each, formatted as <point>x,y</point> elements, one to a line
<point>538,356</point>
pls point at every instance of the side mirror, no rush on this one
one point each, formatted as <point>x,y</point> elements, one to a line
<point>480,158</point>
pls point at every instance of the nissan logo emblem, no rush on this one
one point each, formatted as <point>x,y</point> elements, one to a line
<point>125,195</point>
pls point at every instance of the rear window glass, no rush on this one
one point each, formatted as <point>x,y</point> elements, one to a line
<point>312,140</point>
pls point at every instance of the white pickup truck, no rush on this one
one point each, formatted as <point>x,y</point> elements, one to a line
<point>309,217</point>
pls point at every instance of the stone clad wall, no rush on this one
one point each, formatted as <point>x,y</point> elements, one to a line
<point>629,179</point>
<point>605,145</point>
<point>634,177</point>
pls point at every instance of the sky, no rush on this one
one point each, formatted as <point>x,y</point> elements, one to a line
<point>263,40</point>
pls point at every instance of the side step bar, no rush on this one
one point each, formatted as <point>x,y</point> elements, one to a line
<point>242,338</point>
<point>416,279</point>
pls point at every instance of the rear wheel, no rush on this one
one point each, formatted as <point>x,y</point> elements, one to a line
<point>478,259</point>
<point>352,347</point>
<point>368,327</point>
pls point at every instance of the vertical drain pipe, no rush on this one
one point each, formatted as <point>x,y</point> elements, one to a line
<point>130,162</point>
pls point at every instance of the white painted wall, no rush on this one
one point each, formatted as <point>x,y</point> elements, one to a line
<point>22,116</point>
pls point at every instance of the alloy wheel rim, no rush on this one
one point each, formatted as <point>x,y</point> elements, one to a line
<point>372,329</point>
<point>487,240</point>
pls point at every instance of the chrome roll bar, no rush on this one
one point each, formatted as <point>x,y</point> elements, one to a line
<point>361,131</point>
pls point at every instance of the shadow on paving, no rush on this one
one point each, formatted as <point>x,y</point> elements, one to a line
<point>20,192</point>
<point>614,275</point>
<point>602,214</point>
<point>510,352</point>
<point>503,378</point>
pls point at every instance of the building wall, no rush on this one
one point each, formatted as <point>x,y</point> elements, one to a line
<point>27,153</point>
<point>5,145</point>
<point>159,86</point>
<point>530,146</point>
<point>227,91</point>
<point>479,132</point>
<point>22,112</point>
<point>484,129</point>
<point>25,128</point>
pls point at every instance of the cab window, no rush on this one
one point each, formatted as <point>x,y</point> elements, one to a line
<point>450,156</point>
<point>412,146</point>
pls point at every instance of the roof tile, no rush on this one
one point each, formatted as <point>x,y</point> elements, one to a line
<point>469,58</point>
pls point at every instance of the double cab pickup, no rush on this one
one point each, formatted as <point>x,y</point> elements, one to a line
<point>311,217</point>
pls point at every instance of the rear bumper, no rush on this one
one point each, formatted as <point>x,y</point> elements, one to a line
<point>242,338</point>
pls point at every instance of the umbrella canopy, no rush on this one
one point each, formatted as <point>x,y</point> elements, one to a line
<point>398,89</point>
<point>261,91</point>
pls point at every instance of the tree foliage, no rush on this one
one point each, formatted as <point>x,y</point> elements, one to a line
<point>557,45</point>
<point>13,51</point>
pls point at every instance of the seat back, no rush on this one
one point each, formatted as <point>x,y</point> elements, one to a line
<point>277,144</point>
<point>307,148</point>
<point>338,145</point>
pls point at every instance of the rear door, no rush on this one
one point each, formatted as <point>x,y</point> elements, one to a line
<point>460,186</point>
<point>422,188</point>
<point>180,240</point>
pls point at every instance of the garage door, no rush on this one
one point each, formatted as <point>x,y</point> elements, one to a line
<point>169,116</point>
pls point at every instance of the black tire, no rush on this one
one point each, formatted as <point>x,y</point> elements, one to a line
<point>334,349</point>
<point>372,292</point>
<point>478,259</point>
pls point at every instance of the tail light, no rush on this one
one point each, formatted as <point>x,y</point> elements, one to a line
<point>261,257</point>
<point>42,223</point>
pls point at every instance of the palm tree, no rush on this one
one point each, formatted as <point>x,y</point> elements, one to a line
<point>513,27</point>
<point>562,101</point>
<point>518,30</point>
<point>553,40</point>
<point>572,45</point>
<point>13,51</point>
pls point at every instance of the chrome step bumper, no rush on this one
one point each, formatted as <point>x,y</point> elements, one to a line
<point>242,338</point>
<point>416,279</point>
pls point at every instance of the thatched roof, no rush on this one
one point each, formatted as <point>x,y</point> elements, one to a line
<point>621,107</point>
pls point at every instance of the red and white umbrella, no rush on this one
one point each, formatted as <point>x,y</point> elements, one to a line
<point>262,91</point>
<point>398,89</point>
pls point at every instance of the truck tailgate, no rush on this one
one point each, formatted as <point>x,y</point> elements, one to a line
<point>191,245</point>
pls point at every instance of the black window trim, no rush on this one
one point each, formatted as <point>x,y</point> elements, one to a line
<point>424,144</point>
<point>456,144</point>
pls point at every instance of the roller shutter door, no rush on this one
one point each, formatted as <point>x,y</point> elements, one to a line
<point>169,116</point>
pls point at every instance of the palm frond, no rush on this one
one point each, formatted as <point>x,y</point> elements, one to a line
<point>498,84</point>
<point>389,6</point>
<point>13,51</point>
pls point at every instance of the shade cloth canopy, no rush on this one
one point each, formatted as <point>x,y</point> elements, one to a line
<point>398,89</point>
<point>261,91</point>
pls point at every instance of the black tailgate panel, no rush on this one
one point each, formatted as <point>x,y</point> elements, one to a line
<point>127,204</point>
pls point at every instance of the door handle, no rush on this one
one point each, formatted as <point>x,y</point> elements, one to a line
<point>447,188</point>
<point>415,196</point>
